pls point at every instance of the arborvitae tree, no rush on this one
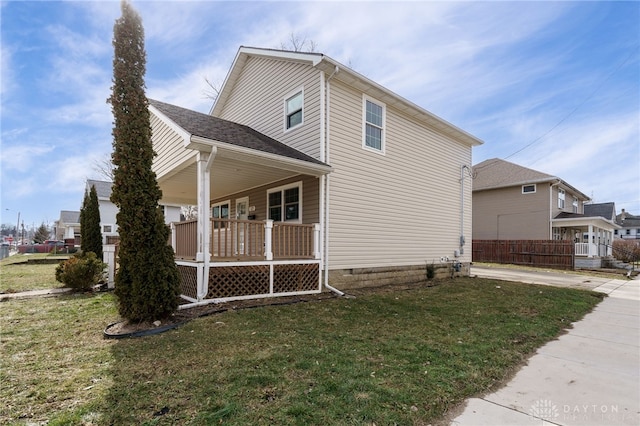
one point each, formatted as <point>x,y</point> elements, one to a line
<point>42,234</point>
<point>147,283</point>
<point>90,223</point>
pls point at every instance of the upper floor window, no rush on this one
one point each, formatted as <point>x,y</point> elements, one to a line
<point>575,204</point>
<point>374,124</point>
<point>293,109</point>
<point>284,204</point>
<point>561,195</point>
<point>529,189</point>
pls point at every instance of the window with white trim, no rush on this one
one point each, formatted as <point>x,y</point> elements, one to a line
<point>284,204</point>
<point>561,195</point>
<point>374,115</point>
<point>529,189</point>
<point>220,211</point>
<point>293,109</point>
<point>107,228</point>
<point>575,204</point>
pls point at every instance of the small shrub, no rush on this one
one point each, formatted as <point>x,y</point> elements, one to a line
<point>431,271</point>
<point>80,272</point>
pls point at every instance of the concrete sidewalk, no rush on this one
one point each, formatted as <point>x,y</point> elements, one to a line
<point>34,293</point>
<point>588,376</point>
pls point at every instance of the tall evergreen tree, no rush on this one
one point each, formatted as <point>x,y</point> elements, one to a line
<point>90,223</point>
<point>147,283</point>
<point>42,234</point>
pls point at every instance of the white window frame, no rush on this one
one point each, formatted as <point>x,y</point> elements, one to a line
<point>282,205</point>
<point>220,204</point>
<point>285,99</point>
<point>529,185</point>
<point>383,128</point>
<point>576,205</point>
<point>113,227</point>
<point>561,197</point>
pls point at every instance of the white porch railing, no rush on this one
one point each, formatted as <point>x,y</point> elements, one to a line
<point>591,250</point>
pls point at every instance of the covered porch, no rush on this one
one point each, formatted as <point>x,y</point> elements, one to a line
<point>260,204</point>
<point>592,236</point>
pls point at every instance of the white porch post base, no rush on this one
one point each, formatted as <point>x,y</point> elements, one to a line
<point>268,234</point>
<point>109,257</point>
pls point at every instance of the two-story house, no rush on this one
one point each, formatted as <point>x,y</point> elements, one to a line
<point>629,224</point>
<point>511,202</point>
<point>108,210</point>
<point>307,173</point>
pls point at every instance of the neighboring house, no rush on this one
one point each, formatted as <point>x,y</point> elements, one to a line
<point>108,209</point>
<point>629,224</point>
<point>511,202</point>
<point>337,174</point>
<point>68,226</point>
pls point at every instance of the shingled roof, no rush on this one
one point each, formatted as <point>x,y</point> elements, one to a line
<point>220,130</point>
<point>103,189</point>
<point>67,216</point>
<point>604,210</point>
<point>497,173</point>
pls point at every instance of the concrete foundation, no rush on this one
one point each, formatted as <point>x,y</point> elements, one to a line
<point>345,279</point>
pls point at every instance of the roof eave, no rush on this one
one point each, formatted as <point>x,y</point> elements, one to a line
<point>227,150</point>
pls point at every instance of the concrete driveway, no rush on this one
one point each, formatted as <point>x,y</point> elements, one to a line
<point>588,376</point>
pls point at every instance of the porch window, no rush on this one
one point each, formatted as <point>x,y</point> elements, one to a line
<point>374,123</point>
<point>561,194</point>
<point>528,189</point>
<point>293,109</point>
<point>284,203</point>
<point>220,211</point>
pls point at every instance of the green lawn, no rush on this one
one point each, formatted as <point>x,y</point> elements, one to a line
<point>17,275</point>
<point>402,357</point>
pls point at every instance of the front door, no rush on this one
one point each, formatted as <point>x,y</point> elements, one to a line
<point>242,213</point>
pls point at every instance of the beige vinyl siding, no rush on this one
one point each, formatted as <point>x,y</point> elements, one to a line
<point>258,198</point>
<point>169,147</point>
<point>260,105</point>
<point>508,214</point>
<point>401,208</point>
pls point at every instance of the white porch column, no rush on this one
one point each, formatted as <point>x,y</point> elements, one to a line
<point>109,257</point>
<point>173,236</point>
<point>590,239</point>
<point>316,241</point>
<point>268,250</point>
<point>203,254</point>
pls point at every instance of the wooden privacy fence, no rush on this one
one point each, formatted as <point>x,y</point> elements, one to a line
<point>558,254</point>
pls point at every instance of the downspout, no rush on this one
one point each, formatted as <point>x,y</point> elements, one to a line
<point>325,154</point>
<point>462,176</point>
<point>551,208</point>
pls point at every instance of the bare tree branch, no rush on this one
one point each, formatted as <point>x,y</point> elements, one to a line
<point>298,43</point>
<point>213,91</point>
<point>104,167</point>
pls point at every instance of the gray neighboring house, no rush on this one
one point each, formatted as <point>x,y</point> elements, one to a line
<point>511,202</point>
<point>68,226</point>
<point>629,224</point>
<point>108,210</point>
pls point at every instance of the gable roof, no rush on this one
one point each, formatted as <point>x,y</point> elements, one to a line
<point>68,217</point>
<point>628,220</point>
<point>496,173</point>
<point>606,210</point>
<point>103,188</point>
<point>227,132</point>
<point>347,75</point>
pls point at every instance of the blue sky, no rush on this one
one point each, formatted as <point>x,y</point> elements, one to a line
<point>554,86</point>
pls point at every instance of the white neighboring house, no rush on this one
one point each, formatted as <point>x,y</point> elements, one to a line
<point>68,226</point>
<point>108,210</point>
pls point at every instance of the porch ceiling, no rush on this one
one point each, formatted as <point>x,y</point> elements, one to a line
<point>584,222</point>
<point>228,176</point>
